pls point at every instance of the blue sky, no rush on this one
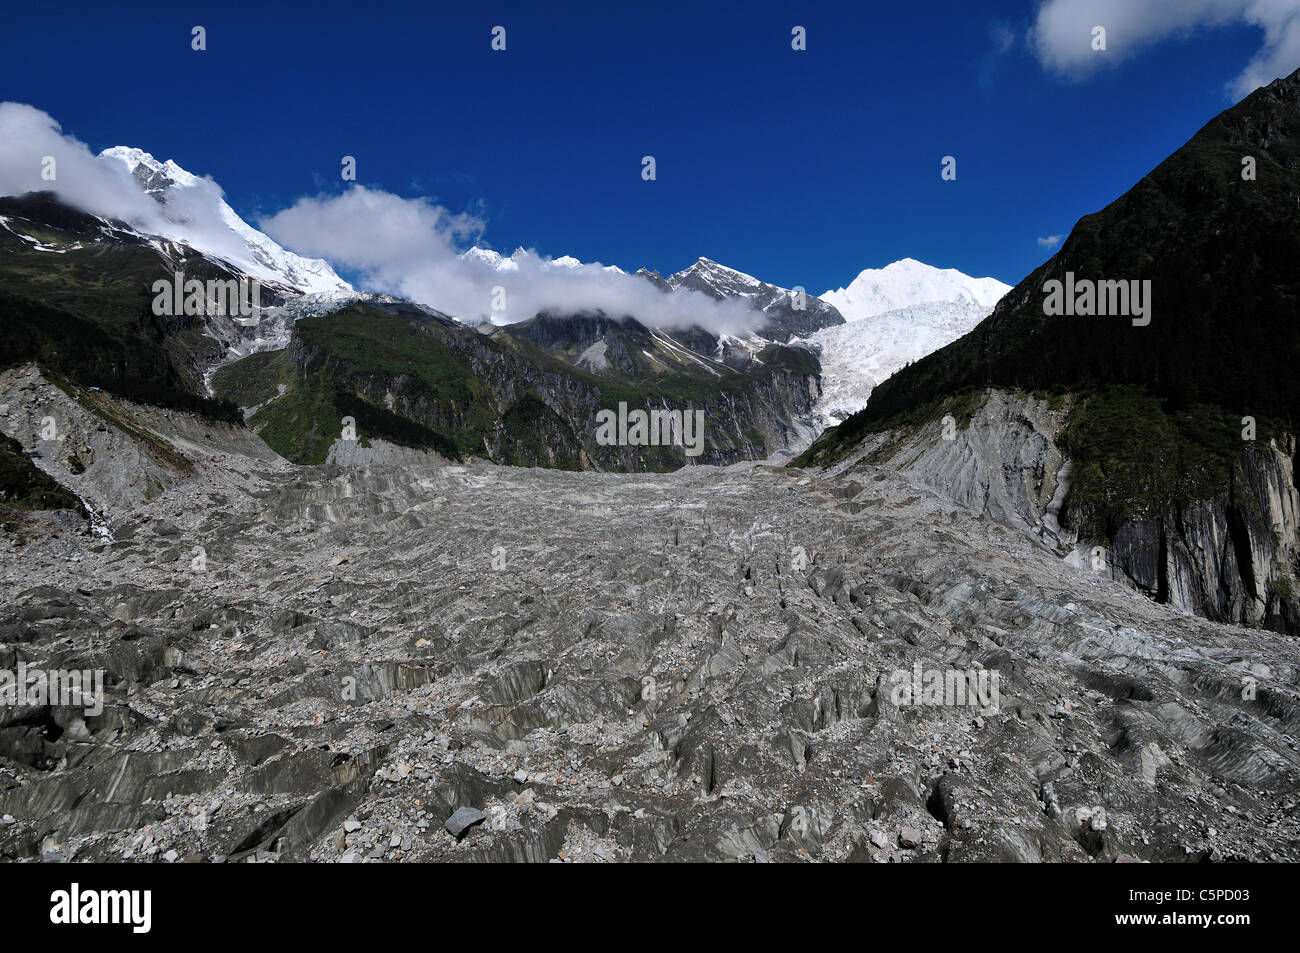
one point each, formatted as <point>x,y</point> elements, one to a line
<point>799,167</point>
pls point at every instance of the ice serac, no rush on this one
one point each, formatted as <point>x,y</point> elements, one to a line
<point>909,282</point>
<point>227,237</point>
<point>858,355</point>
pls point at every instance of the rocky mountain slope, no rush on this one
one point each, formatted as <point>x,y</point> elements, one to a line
<point>78,294</point>
<point>1180,427</point>
<point>77,290</point>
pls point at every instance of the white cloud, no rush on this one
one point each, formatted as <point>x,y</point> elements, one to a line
<point>82,179</point>
<point>406,247</point>
<point>1051,241</point>
<point>411,248</point>
<point>103,185</point>
<point>1002,37</point>
<point>1062,35</point>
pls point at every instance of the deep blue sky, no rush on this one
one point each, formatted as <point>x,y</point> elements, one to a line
<point>801,168</point>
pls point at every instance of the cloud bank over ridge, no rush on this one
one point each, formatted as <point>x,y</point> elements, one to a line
<point>401,246</point>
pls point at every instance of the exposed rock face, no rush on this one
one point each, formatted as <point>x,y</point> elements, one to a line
<point>701,665</point>
<point>1004,463</point>
<point>1231,558</point>
<point>116,453</point>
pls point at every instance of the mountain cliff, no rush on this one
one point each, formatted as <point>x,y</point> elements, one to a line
<point>1178,440</point>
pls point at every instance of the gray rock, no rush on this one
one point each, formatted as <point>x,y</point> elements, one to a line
<point>910,837</point>
<point>462,820</point>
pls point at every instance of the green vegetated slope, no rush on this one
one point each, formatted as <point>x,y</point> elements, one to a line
<point>341,365</point>
<point>1158,419</point>
<point>517,395</point>
<point>80,306</point>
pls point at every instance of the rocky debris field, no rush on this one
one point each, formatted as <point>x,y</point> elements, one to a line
<point>416,663</point>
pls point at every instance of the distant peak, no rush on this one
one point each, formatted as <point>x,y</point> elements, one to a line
<point>708,264</point>
<point>253,252</point>
<point>129,155</point>
<point>908,282</point>
<point>133,158</point>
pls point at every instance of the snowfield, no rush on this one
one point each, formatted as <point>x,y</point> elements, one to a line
<point>910,282</point>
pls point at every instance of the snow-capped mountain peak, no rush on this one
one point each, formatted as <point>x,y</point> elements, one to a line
<point>499,262</point>
<point>896,315</point>
<point>709,274</point>
<point>785,314</point>
<point>196,214</point>
<point>909,282</point>
<point>492,259</point>
<point>145,167</point>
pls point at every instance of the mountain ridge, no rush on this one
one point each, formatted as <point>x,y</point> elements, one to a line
<point>1178,440</point>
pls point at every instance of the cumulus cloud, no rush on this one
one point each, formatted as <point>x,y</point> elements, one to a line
<point>413,249</point>
<point>81,178</point>
<point>1051,241</point>
<point>403,246</point>
<point>1062,34</point>
<point>102,185</point>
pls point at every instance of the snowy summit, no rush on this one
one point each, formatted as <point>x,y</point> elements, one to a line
<point>198,216</point>
<point>910,282</point>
